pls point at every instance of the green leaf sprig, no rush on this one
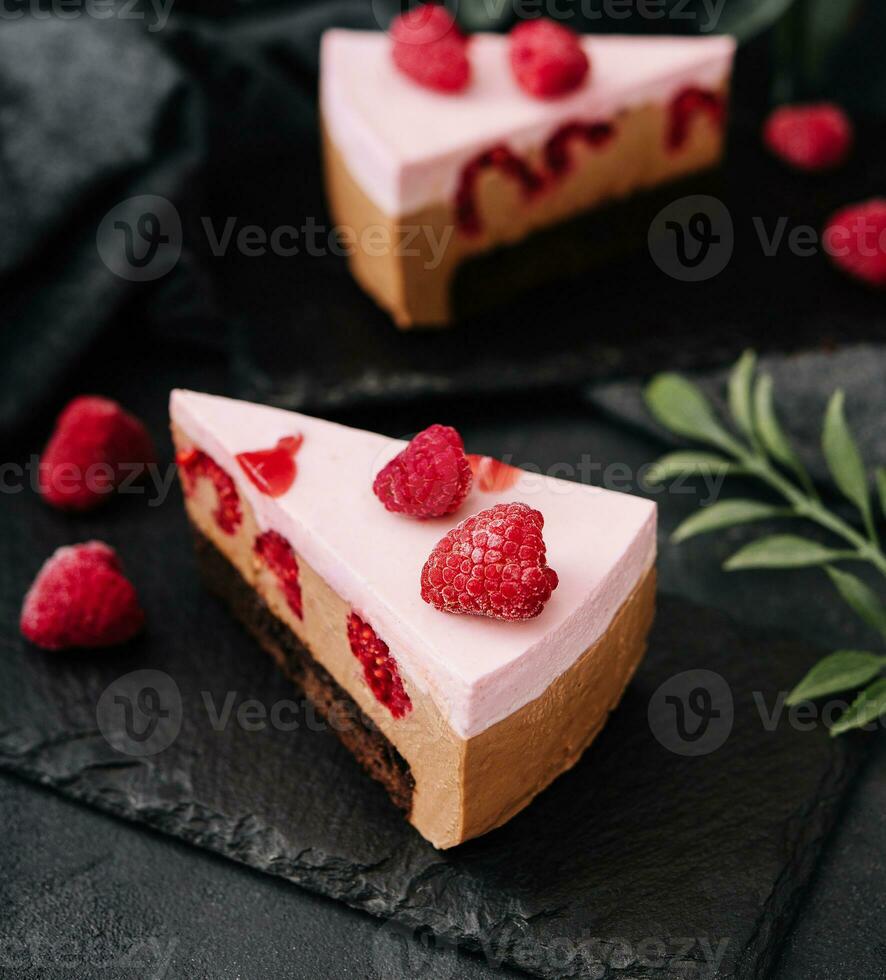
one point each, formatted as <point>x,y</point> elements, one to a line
<point>756,446</point>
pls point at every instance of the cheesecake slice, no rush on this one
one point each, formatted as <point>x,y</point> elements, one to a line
<point>462,718</point>
<point>421,181</point>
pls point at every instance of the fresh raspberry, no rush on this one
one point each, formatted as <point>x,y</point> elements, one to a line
<point>95,446</point>
<point>194,465</point>
<point>810,137</point>
<point>276,552</point>
<point>855,239</point>
<point>430,478</point>
<point>430,49</point>
<point>81,598</point>
<point>379,667</point>
<point>547,59</point>
<point>493,564</point>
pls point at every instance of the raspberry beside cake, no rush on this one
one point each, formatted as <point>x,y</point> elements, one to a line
<point>425,178</point>
<point>472,707</point>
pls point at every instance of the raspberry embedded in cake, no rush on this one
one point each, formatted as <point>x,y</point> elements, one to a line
<point>688,105</point>
<point>521,684</point>
<point>276,552</point>
<point>595,135</point>
<point>194,465</point>
<point>509,165</point>
<point>379,667</point>
<point>522,147</point>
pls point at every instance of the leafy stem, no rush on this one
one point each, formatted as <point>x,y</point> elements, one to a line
<point>756,446</point>
<point>806,506</point>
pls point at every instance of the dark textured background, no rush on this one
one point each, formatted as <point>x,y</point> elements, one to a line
<point>218,116</point>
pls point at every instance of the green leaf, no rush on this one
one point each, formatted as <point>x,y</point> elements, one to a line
<point>784,551</point>
<point>769,429</point>
<point>726,513</point>
<point>881,487</point>
<point>843,458</point>
<point>841,671</point>
<point>860,598</point>
<point>689,464</point>
<point>868,706</point>
<point>746,20</point>
<point>827,23</point>
<point>740,381</point>
<point>680,406</point>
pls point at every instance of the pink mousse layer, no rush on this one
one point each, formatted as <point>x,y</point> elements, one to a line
<point>477,670</point>
<point>406,145</point>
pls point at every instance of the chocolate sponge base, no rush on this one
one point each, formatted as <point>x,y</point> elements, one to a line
<point>354,729</point>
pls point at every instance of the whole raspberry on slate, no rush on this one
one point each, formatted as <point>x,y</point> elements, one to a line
<point>95,447</point>
<point>810,137</point>
<point>428,47</point>
<point>547,59</point>
<point>430,478</point>
<point>493,564</point>
<point>855,239</point>
<point>81,598</point>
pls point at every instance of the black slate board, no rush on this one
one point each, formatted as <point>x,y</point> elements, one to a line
<point>637,844</point>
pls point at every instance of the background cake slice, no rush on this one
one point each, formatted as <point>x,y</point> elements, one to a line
<point>423,180</point>
<point>469,717</point>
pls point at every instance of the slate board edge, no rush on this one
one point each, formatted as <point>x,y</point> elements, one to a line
<point>806,849</point>
<point>756,960</point>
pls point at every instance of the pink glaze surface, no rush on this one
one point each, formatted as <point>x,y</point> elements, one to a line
<point>477,670</point>
<point>406,144</point>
